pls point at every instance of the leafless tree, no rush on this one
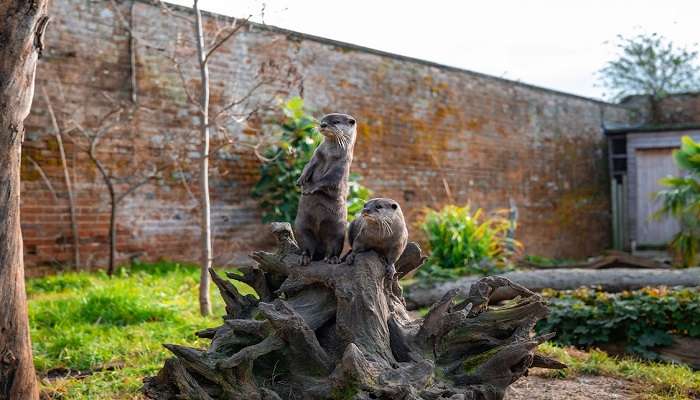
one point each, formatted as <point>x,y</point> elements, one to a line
<point>214,120</point>
<point>22,26</point>
<point>120,182</point>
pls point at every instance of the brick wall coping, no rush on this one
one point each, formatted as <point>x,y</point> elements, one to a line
<point>381,53</point>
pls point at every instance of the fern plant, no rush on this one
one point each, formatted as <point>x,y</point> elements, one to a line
<point>463,242</point>
<point>276,190</point>
<point>681,199</point>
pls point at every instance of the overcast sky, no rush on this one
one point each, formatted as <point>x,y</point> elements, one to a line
<point>555,44</point>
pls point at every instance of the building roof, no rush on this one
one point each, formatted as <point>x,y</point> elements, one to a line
<point>650,128</point>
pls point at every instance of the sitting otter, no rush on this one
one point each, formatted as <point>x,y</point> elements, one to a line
<point>322,214</point>
<point>380,227</point>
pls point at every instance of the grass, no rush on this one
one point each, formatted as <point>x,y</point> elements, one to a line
<point>663,381</point>
<point>113,329</point>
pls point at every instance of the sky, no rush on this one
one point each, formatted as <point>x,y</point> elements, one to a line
<point>554,44</point>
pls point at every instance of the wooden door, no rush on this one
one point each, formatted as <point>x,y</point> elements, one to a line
<point>652,165</point>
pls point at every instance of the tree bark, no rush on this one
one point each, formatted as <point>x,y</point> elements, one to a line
<point>333,331</point>
<point>22,25</point>
<point>206,257</point>
<point>610,280</point>
<point>113,202</point>
<point>112,230</point>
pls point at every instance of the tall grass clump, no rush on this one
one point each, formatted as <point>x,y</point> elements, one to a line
<point>463,241</point>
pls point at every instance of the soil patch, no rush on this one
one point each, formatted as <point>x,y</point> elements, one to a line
<point>575,388</point>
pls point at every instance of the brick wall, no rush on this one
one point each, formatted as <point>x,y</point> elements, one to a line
<point>422,128</point>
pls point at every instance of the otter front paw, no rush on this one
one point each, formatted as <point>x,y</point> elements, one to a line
<point>308,191</point>
<point>350,258</point>
<point>390,272</point>
<point>332,260</point>
<point>305,259</point>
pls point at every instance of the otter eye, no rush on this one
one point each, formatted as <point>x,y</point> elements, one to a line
<point>351,122</point>
<point>379,206</point>
<point>394,206</point>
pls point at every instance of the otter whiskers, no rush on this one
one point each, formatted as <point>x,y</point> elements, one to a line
<point>342,140</point>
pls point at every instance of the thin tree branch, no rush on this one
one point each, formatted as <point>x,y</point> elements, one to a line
<point>44,178</point>
<point>66,175</point>
<point>236,27</point>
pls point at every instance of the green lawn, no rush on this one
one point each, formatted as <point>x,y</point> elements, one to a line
<point>111,330</point>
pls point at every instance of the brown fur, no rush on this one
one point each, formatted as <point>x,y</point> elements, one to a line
<point>322,215</point>
<point>380,227</point>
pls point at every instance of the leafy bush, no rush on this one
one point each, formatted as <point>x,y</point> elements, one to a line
<point>641,319</point>
<point>276,191</point>
<point>681,199</point>
<point>463,242</point>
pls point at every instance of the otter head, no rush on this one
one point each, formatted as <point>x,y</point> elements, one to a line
<point>282,231</point>
<point>339,128</point>
<point>380,214</point>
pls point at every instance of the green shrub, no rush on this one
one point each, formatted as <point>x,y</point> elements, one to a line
<point>276,191</point>
<point>681,199</point>
<point>641,319</point>
<point>463,242</point>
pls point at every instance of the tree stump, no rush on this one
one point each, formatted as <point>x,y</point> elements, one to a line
<point>327,331</point>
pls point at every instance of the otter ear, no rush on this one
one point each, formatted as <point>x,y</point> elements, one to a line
<point>351,122</point>
<point>394,206</point>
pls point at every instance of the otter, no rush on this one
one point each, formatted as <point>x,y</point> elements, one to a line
<point>322,214</point>
<point>380,227</point>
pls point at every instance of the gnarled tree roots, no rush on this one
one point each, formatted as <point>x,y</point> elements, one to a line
<point>342,332</point>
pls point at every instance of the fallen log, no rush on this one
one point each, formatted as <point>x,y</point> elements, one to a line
<point>610,280</point>
<point>333,331</point>
<point>611,259</point>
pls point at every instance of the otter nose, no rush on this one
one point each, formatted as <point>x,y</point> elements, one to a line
<point>324,125</point>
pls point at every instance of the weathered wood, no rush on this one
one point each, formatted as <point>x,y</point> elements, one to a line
<point>336,331</point>
<point>237,305</point>
<point>683,350</point>
<point>22,26</point>
<point>611,259</point>
<point>609,280</point>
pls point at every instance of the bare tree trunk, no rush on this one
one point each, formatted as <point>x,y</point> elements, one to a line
<point>69,186</point>
<point>112,229</point>
<point>204,302</point>
<point>22,25</point>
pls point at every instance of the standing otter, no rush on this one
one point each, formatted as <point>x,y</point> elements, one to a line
<point>381,228</point>
<point>322,214</point>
